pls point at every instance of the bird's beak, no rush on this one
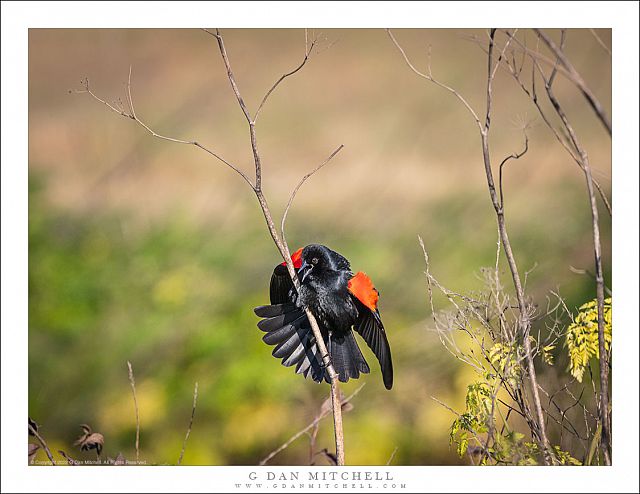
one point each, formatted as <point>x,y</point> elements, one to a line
<point>304,271</point>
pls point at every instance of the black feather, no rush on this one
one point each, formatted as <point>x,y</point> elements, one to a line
<point>369,326</point>
<point>274,310</point>
<point>281,287</point>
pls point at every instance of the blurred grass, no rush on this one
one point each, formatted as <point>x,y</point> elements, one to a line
<point>145,251</point>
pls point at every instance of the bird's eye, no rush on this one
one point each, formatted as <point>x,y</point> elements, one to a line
<point>314,260</point>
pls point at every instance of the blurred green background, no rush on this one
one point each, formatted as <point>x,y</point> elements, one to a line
<point>152,252</point>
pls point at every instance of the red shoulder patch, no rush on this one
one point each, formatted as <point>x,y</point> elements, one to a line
<point>362,288</point>
<point>296,258</point>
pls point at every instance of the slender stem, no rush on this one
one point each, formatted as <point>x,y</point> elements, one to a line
<point>302,181</point>
<point>430,78</point>
<point>284,252</point>
<point>193,413</point>
<point>135,404</point>
<point>307,55</point>
<point>577,79</point>
<point>597,250</point>
<point>313,424</point>
<point>133,116</point>
<point>43,443</point>
<point>524,321</point>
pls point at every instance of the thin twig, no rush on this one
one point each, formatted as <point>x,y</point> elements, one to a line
<point>600,42</point>
<point>193,413</point>
<point>132,116</point>
<point>577,79</point>
<point>70,460</point>
<point>524,321</point>
<point>302,181</point>
<point>590,275</point>
<point>43,444</point>
<point>514,156</point>
<point>307,55</point>
<point>531,93</point>
<point>393,454</point>
<point>430,78</point>
<point>301,432</point>
<point>135,404</point>
<point>280,243</point>
<point>286,255</point>
<point>599,276</point>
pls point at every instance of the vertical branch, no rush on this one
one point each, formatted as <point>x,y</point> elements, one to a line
<point>597,249</point>
<point>135,404</point>
<point>256,187</point>
<point>524,321</point>
<point>281,244</point>
<point>193,413</point>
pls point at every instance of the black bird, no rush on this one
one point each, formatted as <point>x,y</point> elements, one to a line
<point>340,301</point>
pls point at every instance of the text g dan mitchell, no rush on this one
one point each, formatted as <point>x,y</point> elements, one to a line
<point>354,476</point>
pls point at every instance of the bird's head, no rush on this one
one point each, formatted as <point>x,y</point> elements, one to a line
<point>318,259</point>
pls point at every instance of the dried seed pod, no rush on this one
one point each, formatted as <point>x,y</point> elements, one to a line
<point>90,440</point>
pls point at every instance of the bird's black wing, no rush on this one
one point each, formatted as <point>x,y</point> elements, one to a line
<point>281,288</point>
<point>370,327</point>
<point>287,327</point>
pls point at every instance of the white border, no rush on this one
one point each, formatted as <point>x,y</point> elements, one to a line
<point>18,17</point>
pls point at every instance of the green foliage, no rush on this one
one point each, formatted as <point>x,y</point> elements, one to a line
<point>474,420</point>
<point>582,336</point>
<point>505,359</point>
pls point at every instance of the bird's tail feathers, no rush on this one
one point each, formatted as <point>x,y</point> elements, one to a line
<point>346,357</point>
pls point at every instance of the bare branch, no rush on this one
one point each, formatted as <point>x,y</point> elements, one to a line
<point>230,76</point>
<point>393,454</point>
<point>286,255</point>
<point>577,79</point>
<point>132,116</point>
<point>600,42</point>
<point>135,404</point>
<point>257,189</point>
<point>307,55</point>
<point>43,443</point>
<point>193,413</point>
<point>430,78</point>
<point>301,432</point>
<point>524,321</point>
<point>515,156</point>
<point>531,93</point>
<point>302,181</point>
<point>604,364</point>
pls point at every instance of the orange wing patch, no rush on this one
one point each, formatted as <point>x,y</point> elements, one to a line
<point>362,288</point>
<point>296,258</point>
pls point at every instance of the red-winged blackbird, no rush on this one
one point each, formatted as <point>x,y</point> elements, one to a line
<point>339,300</point>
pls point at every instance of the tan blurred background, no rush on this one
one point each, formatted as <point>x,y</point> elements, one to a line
<point>153,252</point>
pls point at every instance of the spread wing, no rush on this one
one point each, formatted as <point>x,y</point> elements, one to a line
<point>369,325</point>
<point>281,287</point>
<point>287,327</point>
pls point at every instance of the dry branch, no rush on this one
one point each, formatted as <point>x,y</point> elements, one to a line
<point>43,443</point>
<point>132,381</point>
<point>576,78</point>
<point>284,251</point>
<point>586,168</point>
<point>193,413</point>
<point>256,187</point>
<point>312,425</point>
<point>524,322</point>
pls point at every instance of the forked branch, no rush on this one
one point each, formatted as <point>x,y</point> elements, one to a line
<point>524,322</point>
<point>256,187</point>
